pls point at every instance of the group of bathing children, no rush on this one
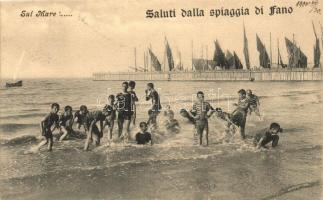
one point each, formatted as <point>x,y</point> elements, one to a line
<point>247,103</point>
<point>122,108</point>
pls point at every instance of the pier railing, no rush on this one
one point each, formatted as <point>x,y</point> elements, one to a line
<point>217,75</point>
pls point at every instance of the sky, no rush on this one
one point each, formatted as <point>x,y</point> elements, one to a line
<point>101,36</point>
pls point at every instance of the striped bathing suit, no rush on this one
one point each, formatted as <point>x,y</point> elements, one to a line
<point>200,109</point>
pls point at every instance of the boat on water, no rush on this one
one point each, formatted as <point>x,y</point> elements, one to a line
<point>15,84</point>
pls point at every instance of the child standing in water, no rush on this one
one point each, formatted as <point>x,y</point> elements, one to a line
<point>152,94</point>
<point>110,110</point>
<point>254,103</point>
<point>239,115</point>
<point>48,125</point>
<point>171,124</point>
<point>200,112</point>
<point>125,112</point>
<point>66,122</point>
<point>269,135</point>
<point>134,99</point>
<point>143,137</point>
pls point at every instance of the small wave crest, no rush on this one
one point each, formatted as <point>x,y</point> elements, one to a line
<point>25,139</point>
<point>15,126</point>
<point>19,116</point>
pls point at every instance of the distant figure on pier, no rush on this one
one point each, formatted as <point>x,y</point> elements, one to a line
<point>254,103</point>
<point>124,112</point>
<point>134,99</point>
<point>239,115</point>
<point>152,94</point>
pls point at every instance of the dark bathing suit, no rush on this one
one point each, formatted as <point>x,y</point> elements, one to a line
<point>111,112</point>
<point>79,117</point>
<point>65,121</point>
<point>143,138</point>
<point>124,106</point>
<point>93,116</point>
<point>50,119</point>
<point>201,109</point>
<point>268,137</point>
<point>239,116</point>
<point>154,96</point>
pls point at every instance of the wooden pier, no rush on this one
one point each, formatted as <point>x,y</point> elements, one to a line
<point>216,75</point>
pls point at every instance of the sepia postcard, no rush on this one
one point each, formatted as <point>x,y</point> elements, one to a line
<point>138,99</point>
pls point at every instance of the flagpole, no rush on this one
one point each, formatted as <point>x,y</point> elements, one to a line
<point>278,61</point>
<point>192,55</point>
<point>145,62</point>
<point>207,58</point>
<point>151,67</point>
<point>135,59</point>
<point>165,54</point>
<point>202,54</point>
<point>271,59</point>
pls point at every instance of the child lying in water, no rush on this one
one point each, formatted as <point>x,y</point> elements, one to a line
<point>269,135</point>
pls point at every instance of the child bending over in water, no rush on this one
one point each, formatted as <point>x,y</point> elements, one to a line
<point>269,135</point>
<point>91,129</point>
<point>143,137</point>
<point>171,124</point>
<point>47,127</point>
<point>66,122</point>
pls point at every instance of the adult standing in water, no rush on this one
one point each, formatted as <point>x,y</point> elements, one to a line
<point>124,112</point>
<point>152,94</point>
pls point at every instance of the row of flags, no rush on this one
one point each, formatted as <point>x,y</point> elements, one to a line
<point>230,60</point>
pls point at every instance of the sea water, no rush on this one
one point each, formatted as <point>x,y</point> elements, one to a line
<point>173,168</point>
